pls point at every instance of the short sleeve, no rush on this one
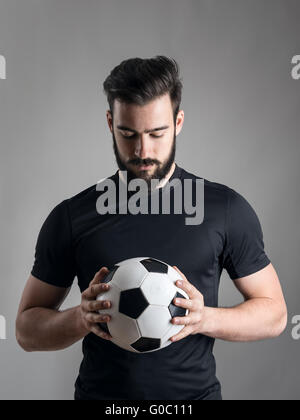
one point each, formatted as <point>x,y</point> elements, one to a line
<point>54,260</point>
<point>244,252</point>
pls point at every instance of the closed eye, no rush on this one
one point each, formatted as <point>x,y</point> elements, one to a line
<point>134,135</point>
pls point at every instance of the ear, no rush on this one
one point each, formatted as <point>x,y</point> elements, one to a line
<point>109,120</point>
<point>179,121</point>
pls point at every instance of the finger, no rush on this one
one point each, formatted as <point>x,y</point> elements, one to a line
<point>182,320</point>
<point>95,318</point>
<point>182,275</point>
<point>100,333</point>
<point>184,283</point>
<point>182,334</point>
<point>96,305</point>
<point>99,276</point>
<point>187,287</point>
<point>94,290</point>
<point>97,289</point>
<point>184,303</point>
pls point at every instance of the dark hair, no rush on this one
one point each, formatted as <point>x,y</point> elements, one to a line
<point>139,81</point>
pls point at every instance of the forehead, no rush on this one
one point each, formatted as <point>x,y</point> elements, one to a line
<point>159,111</point>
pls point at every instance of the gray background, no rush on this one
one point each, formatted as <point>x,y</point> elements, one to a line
<point>241,129</point>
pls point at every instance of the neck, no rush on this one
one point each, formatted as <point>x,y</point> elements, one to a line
<point>162,182</point>
<point>167,177</point>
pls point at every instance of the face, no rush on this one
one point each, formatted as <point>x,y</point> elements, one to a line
<point>144,137</point>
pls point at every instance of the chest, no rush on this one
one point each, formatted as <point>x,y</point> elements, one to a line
<point>194,249</point>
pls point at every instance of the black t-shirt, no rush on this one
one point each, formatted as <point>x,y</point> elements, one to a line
<point>75,240</point>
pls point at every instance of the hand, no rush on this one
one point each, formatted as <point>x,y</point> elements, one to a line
<point>89,305</point>
<point>195,305</point>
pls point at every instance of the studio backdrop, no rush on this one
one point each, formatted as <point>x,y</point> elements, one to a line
<point>239,63</point>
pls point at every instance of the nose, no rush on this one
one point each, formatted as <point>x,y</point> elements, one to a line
<point>142,148</point>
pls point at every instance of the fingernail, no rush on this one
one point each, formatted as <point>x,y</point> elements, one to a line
<point>179,283</point>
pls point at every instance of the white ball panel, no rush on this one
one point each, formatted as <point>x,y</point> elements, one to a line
<point>113,295</point>
<point>173,274</point>
<point>173,330</point>
<point>129,276</point>
<point>165,343</point>
<point>125,346</point>
<point>136,259</point>
<point>154,321</point>
<point>158,289</point>
<point>124,328</point>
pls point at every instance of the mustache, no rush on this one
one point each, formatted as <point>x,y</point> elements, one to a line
<point>138,161</point>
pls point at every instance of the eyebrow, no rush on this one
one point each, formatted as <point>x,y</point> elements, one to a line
<point>122,127</point>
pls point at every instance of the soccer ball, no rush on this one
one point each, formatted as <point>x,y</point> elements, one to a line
<point>141,294</point>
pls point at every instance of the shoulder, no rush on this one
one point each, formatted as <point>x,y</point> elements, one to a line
<point>87,195</point>
<point>212,188</point>
<point>221,196</point>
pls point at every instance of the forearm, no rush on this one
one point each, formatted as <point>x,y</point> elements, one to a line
<point>254,319</point>
<point>42,329</point>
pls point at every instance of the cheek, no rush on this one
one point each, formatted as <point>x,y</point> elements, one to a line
<point>164,147</point>
<point>125,148</point>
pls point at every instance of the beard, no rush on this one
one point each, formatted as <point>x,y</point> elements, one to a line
<point>160,172</point>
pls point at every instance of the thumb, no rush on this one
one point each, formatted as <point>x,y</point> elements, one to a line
<point>100,275</point>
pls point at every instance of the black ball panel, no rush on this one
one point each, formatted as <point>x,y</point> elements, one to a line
<point>146,344</point>
<point>104,327</point>
<point>132,303</point>
<point>177,310</point>
<point>154,266</point>
<point>110,275</point>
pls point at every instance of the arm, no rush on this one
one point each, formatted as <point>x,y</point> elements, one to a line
<point>263,314</point>
<point>40,326</point>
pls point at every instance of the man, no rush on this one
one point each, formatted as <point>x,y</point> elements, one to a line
<point>75,240</point>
